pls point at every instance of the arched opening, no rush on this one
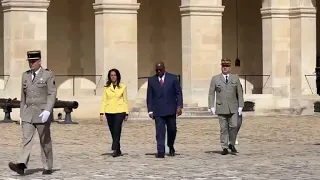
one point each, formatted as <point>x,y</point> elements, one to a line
<point>159,37</point>
<point>71,46</point>
<point>242,38</point>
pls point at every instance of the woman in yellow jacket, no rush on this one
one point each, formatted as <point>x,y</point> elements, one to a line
<point>114,107</point>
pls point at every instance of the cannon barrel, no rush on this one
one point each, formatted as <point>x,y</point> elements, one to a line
<point>68,104</point>
<point>8,104</point>
<point>12,103</point>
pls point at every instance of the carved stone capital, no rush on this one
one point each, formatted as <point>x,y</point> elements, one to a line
<point>25,5</point>
<point>116,8</point>
<point>192,10</point>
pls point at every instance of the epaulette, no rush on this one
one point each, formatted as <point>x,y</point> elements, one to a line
<point>47,69</point>
<point>28,71</point>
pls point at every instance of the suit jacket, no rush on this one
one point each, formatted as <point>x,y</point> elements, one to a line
<point>37,95</point>
<point>114,100</point>
<point>229,96</point>
<point>164,100</point>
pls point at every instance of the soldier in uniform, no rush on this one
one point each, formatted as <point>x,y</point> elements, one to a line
<point>229,104</point>
<point>38,96</point>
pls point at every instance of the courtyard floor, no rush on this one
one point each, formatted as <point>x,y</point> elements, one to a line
<point>269,148</point>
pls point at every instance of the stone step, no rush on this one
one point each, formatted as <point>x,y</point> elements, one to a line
<point>184,113</point>
<point>144,109</point>
<point>179,118</point>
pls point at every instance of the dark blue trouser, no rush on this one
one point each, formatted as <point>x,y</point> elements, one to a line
<point>161,122</point>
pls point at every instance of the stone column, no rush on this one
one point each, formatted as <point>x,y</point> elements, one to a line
<point>201,47</point>
<point>276,49</point>
<point>116,40</point>
<point>25,28</point>
<point>303,48</point>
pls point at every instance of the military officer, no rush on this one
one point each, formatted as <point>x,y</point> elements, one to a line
<point>229,103</point>
<point>38,95</point>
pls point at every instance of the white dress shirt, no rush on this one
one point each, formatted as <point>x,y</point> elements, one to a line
<point>35,72</point>
<point>225,76</point>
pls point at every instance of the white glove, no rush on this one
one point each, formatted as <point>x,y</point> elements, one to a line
<point>213,110</point>
<point>45,116</point>
<point>240,110</point>
<point>20,121</point>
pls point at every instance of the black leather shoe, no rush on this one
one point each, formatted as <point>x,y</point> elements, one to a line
<point>224,152</point>
<point>233,149</point>
<point>172,152</point>
<point>160,155</point>
<point>18,168</point>
<point>116,153</point>
<point>46,172</point>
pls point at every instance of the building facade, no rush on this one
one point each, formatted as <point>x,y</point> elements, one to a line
<point>81,40</point>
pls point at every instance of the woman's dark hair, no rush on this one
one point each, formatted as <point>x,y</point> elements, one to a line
<point>109,82</point>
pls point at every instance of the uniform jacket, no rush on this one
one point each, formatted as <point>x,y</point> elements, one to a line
<point>229,96</point>
<point>114,100</point>
<point>164,100</point>
<point>37,95</point>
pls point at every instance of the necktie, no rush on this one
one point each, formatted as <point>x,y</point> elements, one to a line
<point>226,79</point>
<point>161,82</point>
<point>34,75</point>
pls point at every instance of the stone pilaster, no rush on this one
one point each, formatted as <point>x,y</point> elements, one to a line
<point>25,28</point>
<point>116,40</point>
<point>303,48</point>
<point>276,49</point>
<point>201,47</point>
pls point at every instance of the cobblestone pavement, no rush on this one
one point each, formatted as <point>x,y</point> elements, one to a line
<point>270,148</point>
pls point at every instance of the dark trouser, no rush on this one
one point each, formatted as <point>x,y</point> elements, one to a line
<point>115,126</point>
<point>161,122</point>
<point>239,123</point>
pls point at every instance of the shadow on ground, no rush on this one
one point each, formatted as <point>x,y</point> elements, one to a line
<point>32,171</point>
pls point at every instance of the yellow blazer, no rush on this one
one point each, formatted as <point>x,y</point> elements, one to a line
<point>114,100</point>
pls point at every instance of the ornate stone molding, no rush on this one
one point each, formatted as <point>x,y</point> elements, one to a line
<point>272,12</point>
<point>191,10</point>
<point>25,5</point>
<point>296,12</point>
<point>116,8</point>
<point>299,12</point>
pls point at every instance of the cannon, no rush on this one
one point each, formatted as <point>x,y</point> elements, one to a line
<point>7,105</point>
<point>68,107</point>
<point>248,106</point>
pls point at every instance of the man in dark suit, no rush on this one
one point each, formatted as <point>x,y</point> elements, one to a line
<point>165,103</point>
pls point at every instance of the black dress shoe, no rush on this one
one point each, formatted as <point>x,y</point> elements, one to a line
<point>116,153</point>
<point>232,148</point>
<point>172,152</point>
<point>47,172</point>
<point>224,152</point>
<point>18,168</point>
<point>160,155</point>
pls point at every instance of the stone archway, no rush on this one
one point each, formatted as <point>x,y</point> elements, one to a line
<point>159,37</point>
<point>242,33</point>
<point>71,45</point>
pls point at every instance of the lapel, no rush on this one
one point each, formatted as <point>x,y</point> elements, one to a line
<point>224,80</point>
<point>110,88</point>
<point>166,78</point>
<point>37,76</point>
<point>230,78</point>
<point>29,77</point>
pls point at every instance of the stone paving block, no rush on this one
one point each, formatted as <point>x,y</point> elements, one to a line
<point>269,148</point>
